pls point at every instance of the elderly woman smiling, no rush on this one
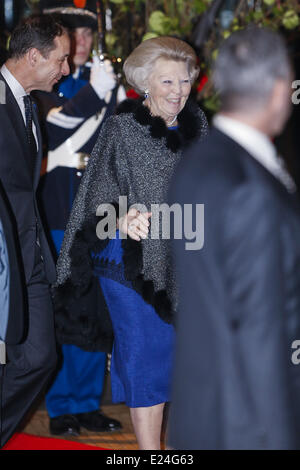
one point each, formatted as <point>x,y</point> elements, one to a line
<point>135,156</point>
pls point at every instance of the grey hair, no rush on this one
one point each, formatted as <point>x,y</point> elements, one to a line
<point>247,66</point>
<point>139,65</point>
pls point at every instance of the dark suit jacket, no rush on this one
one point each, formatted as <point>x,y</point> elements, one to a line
<point>20,186</point>
<point>17,297</point>
<point>235,386</point>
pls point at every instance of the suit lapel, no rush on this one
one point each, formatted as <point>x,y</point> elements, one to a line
<point>17,123</point>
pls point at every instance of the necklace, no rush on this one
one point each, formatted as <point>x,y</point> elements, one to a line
<point>172,122</point>
<point>153,115</point>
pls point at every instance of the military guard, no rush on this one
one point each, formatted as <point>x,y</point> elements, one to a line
<point>72,116</point>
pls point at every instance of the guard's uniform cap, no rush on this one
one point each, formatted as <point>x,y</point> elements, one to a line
<point>73,13</point>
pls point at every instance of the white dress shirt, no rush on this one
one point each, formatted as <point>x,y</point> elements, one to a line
<point>258,145</point>
<point>18,92</point>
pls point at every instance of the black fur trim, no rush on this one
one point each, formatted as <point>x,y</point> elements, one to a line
<point>133,263</point>
<point>81,313</point>
<point>128,106</point>
<point>189,127</point>
<point>82,320</point>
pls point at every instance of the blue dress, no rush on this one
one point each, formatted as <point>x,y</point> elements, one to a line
<point>142,356</point>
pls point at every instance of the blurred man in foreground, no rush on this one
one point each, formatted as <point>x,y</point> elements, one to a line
<point>235,384</point>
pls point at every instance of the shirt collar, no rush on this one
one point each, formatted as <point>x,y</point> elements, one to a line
<point>15,86</point>
<point>257,144</point>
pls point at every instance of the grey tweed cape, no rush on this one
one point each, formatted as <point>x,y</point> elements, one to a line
<point>135,156</point>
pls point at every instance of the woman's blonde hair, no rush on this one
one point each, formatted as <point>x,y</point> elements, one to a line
<point>139,65</point>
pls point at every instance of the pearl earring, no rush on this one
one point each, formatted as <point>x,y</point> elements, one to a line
<point>146,94</point>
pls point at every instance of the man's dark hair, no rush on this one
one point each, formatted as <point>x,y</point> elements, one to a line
<point>37,31</point>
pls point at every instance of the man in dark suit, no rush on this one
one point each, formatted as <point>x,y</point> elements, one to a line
<point>12,295</point>
<point>235,383</point>
<point>38,54</point>
<point>12,290</point>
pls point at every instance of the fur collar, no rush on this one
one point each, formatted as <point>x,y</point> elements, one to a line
<point>189,120</point>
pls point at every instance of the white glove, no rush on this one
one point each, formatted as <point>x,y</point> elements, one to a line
<point>102,77</point>
<point>121,94</point>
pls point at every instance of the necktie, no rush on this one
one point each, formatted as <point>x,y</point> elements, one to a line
<point>30,136</point>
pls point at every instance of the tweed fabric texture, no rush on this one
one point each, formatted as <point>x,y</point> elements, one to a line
<point>135,156</point>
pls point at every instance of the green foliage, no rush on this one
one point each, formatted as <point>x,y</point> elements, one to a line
<point>137,20</point>
<point>290,19</point>
<point>150,36</point>
<point>159,23</point>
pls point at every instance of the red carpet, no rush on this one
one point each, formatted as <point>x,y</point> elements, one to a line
<point>22,441</point>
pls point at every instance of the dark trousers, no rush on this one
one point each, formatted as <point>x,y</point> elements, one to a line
<point>31,363</point>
